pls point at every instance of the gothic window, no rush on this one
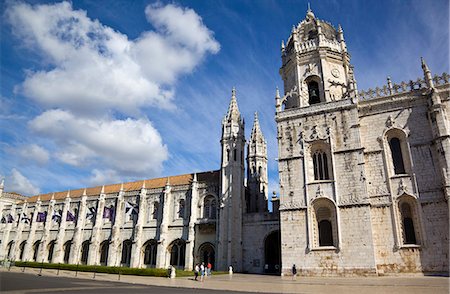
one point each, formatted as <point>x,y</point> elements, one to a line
<point>177,253</point>
<point>126,253</point>
<point>22,249</point>
<point>313,92</point>
<point>209,207</point>
<point>104,249</point>
<point>10,249</point>
<point>320,163</point>
<point>36,250</point>
<point>234,155</point>
<point>325,223</point>
<point>409,232</point>
<point>397,156</point>
<point>150,251</point>
<point>67,246</point>
<point>84,252</point>
<point>51,248</point>
<point>181,208</point>
<point>155,210</point>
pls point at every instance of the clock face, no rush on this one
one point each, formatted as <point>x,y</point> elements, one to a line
<point>335,72</point>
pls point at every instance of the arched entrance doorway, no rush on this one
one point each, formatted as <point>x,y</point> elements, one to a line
<point>206,254</point>
<point>177,253</point>
<point>272,255</point>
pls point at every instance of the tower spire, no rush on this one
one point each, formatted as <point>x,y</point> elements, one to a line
<point>256,130</point>
<point>233,110</point>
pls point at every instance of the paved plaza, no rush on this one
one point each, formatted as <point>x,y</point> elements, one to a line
<point>237,283</point>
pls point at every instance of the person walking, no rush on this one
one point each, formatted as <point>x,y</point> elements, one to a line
<point>202,271</point>
<point>208,270</point>
<point>196,270</point>
<point>294,272</point>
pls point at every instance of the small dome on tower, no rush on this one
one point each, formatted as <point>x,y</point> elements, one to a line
<point>309,14</point>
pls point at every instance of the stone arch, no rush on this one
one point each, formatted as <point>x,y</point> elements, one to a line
<point>397,150</point>
<point>22,249</point>
<point>201,204</point>
<point>320,165</point>
<point>36,250</point>
<point>85,251</point>
<point>207,254</point>
<point>407,208</point>
<point>149,252</point>
<point>316,94</point>
<point>272,252</point>
<point>104,252</point>
<point>67,249</point>
<point>10,250</point>
<point>324,223</point>
<point>126,252</point>
<point>50,250</point>
<point>177,251</point>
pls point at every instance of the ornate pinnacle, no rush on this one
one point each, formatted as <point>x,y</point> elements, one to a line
<point>427,74</point>
<point>103,190</point>
<point>233,110</point>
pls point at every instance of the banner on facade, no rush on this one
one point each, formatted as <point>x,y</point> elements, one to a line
<point>56,216</point>
<point>70,216</point>
<point>91,213</point>
<point>41,217</point>
<point>108,213</point>
<point>131,208</point>
<point>25,218</point>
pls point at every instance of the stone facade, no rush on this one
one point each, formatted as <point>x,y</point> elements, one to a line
<point>364,177</point>
<point>178,220</point>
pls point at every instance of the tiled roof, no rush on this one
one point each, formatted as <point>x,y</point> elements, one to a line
<point>130,186</point>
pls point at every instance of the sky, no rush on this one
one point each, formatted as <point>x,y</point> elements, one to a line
<point>96,92</point>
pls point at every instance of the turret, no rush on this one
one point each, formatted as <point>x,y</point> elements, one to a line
<point>257,182</point>
<point>232,181</point>
<point>316,65</point>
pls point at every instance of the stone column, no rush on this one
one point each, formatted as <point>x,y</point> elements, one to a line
<point>43,248</point>
<point>79,229</point>
<point>7,231</point>
<point>28,251</point>
<point>162,242</point>
<point>19,231</point>
<point>93,257</point>
<point>58,254</point>
<point>190,244</point>
<point>137,242</point>
<point>116,239</point>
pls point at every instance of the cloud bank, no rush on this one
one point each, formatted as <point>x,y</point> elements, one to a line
<point>95,84</point>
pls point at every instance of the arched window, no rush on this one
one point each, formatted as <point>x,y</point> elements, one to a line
<point>84,252</point>
<point>104,250</point>
<point>312,34</point>
<point>67,247</point>
<point>51,248</point>
<point>22,249</point>
<point>150,251</point>
<point>36,250</point>
<point>10,250</point>
<point>209,207</point>
<point>325,223</point>
<point>234,155</point>
<point>313,92</point>
<point>320,163</point>
<point>155,210</point>
<point>177,253</point>
<point>397,156</point>
<point>126,253</point>
<point>409,233</point>
<point>181,208</point>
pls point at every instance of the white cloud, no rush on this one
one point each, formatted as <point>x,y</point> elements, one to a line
<point>92,74</point>
<point>131,146</point>
<point>36,153</point>
<point>102,177</point>
<point>16,182</point>
<point>94,68</point>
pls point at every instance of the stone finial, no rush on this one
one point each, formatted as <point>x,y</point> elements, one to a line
<point>195,177</point>
<point>84,192</point>
<point>2,183</point>
<point>309,13</point>
<point>68,194</point>
<point>53,196</point>
<point>277,100</point>
<point>427,74</point>
<point>103,190</point>
<point>282,46</point>
<point>389,84</point>
<point>121,187</point>
<point>143,184</point>
<point>256,130</point>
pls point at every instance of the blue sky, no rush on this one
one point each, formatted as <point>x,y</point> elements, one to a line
<point>97,92</point>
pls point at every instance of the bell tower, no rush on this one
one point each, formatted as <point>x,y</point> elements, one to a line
<point>232,198</point>
<point>315,64</point>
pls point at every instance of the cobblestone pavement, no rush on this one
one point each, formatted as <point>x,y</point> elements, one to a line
<point>274,284</point>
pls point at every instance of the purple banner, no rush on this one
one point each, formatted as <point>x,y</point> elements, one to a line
<point>108,213</point>
<point>70,217</point>
<point>41,217</point>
